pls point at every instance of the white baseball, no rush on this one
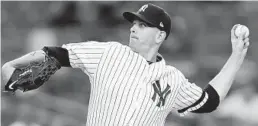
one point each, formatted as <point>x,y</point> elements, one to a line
<point>242,31</point>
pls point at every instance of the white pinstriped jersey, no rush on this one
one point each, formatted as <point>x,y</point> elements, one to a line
<point>128,91</point>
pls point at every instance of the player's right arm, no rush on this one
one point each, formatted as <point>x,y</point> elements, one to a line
<point>83,55</point>
<point>23,61</point>
<point>39,56</point>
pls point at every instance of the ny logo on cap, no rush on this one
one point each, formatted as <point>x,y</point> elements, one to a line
<point>143,8</point>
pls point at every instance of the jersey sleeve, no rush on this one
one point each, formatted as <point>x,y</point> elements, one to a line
<point>189,96</point>
<point>86,55</point>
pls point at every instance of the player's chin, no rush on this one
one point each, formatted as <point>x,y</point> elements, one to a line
<point>132,46</point>
<point>131,42</point>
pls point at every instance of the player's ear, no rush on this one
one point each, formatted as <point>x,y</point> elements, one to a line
<point>161,35</point>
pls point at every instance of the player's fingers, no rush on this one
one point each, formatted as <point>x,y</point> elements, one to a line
<point>246,44</point>
<point>233,30</point>
<point>246,40</point>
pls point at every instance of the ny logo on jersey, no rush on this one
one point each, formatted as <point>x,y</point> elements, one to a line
<point>162,94</point>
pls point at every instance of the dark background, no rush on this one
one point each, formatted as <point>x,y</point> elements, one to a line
<point>199,45</point>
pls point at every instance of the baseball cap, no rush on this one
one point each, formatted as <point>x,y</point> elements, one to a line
<point>152,15</point>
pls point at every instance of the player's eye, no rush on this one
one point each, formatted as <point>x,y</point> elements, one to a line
<point>142,24</point>
<point>134,23</point>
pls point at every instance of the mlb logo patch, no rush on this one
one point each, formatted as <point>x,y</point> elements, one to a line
<point>161,24</point>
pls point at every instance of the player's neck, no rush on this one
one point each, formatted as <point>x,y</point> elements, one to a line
<point>150,55</point>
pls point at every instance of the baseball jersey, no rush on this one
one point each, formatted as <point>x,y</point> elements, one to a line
<point>128,91</point>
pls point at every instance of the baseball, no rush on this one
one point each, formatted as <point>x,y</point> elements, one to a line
<point>242,31</point>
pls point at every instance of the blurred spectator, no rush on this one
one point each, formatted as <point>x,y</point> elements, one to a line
<point>241,106</point>
<point>67,17</point>
<point>40,37</point>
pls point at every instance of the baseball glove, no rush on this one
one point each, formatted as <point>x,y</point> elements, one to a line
<point>32,76</point>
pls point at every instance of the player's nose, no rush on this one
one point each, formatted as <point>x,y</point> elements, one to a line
<point>133,29</point>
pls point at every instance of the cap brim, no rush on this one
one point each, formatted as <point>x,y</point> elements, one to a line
<point>131,16</point>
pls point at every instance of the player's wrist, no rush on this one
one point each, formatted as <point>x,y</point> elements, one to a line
<point>238,55</point>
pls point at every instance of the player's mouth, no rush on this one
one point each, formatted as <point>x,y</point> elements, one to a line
<point>133,37</point>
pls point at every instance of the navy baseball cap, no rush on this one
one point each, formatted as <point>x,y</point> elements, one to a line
<point>152,15</point>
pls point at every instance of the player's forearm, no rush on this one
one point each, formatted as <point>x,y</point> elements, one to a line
<point>224,79</point>
<point>23,61</point>
<point>9,67</point>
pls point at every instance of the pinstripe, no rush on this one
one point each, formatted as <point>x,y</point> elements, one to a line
<point>89,56</point>
<point>147,104</point>
<point>144,98</point>
<point>133,116</point>
<point>191,90</point>
<point>151,105</point>
<point>134,110</point>
<point>186,88</point>
<point>91,65</point>
<point>104,81</point>
<point>132,82</point>
<point>110,81</point>
<point>154,114</point>
<point>184,99</point>
<point>149,101</point>
<point>151,116</point>
<point>173,85</point>
<point>196,106</point>
<point>127,83</point>
<point>76,61</point>
<point>107,82</point>
<point>92,53</point>
<point>104,78</point>
<point>186,96</point>
<point>194,88</point>
<point>158,73</point>
<point>162,119</point>
<point>159,114</point>
<point>179,97</point>
<point>190,99</point>
<point>176,84</point>
<point>96,85</point>
<point>119,86</point>
<point>73,59</point>
<point>115,82</point>
<point>178,106</point>
<point>76,58</point>
<point>174,90</point>
<point>134,93</point>
<point>155,120</point>
<point>164,112</point>
<point>116,120</point>
<point>91,48</point>
<point>95,61</point>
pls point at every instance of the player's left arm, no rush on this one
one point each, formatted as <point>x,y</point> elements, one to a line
<point>224,79</point>
<point>192,98</point>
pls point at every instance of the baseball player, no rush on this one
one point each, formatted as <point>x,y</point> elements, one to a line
<point>132,85</point>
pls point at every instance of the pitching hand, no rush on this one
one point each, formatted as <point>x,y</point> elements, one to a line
<point>239,43</point>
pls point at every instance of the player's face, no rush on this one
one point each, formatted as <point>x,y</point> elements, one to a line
<point>142,36</point>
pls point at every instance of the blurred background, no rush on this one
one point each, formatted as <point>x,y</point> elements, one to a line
<point>199,45</point>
